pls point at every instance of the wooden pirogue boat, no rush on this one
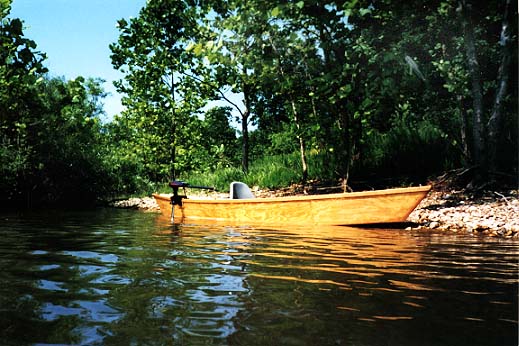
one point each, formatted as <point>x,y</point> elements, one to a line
<point>354,208</point>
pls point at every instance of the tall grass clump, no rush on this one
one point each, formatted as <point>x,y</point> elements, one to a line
<point>274,171</point>
<point>411,151</point>
<point>219,179</point>
<point>267,172</point>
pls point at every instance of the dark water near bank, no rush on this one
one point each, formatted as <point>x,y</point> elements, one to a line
<point>117,277</point>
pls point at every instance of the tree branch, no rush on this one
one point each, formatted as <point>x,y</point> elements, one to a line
<point>222,95</point>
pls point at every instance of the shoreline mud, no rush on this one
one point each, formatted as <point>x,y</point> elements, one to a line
<point>494,214</point>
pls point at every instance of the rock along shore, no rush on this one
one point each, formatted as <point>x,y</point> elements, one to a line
<point>493,214</point>
<point>140,203</point>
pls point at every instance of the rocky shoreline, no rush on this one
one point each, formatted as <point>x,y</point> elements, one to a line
<point>494,214</point>
<point>139,203</point>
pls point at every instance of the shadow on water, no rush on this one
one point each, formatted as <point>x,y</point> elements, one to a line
<point>118,277</point>
<point>394,225</point>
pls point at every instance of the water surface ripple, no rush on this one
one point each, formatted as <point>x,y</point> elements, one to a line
<point>117,277</point>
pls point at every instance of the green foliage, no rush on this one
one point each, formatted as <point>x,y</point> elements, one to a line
<point>220,178</point>
<point>53,152</point>
<point>162,98</point>
<point>274,171</point>
<point>346,82</point>
<point>54,149</point>
<point>270,171</point>
<point>348,89</point>
<point>219,140</point>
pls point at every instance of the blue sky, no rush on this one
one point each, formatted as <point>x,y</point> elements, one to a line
<point>75,35</point>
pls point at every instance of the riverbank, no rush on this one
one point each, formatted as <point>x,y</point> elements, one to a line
<point>140,203</point>
<point>494,214</point>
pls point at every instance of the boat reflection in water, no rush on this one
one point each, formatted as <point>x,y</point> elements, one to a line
<point>358,286</point>
<point>120,277</point>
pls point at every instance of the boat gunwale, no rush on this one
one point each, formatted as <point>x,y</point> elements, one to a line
<point>344,195</point>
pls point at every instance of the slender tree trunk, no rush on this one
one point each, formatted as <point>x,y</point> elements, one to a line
<point>463,130</point>
<point>494,125</point>
<point>245,129</point>
<point>477,95</point>
<point>245,144</point>
<point>297,121</point>
<point>334,56</point>
<point>173,130</point>
<point>302,150</point>
<point>348,149</point>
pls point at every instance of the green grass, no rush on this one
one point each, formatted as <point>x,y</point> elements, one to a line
<point>401,154</point>
<point>268,172</point>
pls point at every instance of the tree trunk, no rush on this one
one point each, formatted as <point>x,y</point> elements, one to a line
<point>463,131</point>
<point>351,133</point>
<point>245,143</point>
<point>173,129</point>
<point>477,95</point>
<point>302,150</point>
<point>334,56</point>
<point>245,129</point>
<point>297,121</point>
<point>494,125</point>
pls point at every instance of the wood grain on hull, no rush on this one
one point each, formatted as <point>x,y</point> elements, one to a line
<point>382,206</point>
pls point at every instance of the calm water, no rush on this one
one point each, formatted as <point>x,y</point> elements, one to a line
<point>117,277</point>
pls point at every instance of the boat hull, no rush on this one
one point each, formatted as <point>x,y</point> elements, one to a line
<point>356,208</point>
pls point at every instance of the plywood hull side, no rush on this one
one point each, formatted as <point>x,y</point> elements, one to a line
<point>383,206</point>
